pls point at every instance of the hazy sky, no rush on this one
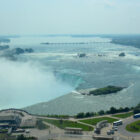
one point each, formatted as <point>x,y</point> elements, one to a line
<point>69,16</point>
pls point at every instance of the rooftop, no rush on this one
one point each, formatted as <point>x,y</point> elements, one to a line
<point>8,117</point>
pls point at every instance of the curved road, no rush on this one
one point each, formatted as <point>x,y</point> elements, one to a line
<point>123,131</point>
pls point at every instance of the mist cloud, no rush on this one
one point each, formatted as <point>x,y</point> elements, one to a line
<point>23,84</point>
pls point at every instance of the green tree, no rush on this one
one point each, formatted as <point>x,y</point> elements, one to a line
<point>21,137</point>
<point>113,110</point>
<point>101,112</point>
<point>80,115</point>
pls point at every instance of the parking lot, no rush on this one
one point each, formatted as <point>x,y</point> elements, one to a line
<point>120,130</point>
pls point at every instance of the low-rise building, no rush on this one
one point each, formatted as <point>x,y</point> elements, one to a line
<point>100,125</point>
<point>103,138</point>
<point>71,130</point>
<point>10,121</point>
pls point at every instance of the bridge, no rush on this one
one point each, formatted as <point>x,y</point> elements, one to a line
<point>72,43</point>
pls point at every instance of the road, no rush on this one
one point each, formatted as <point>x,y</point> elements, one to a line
<point>123,131</point>
<point>55,132</point>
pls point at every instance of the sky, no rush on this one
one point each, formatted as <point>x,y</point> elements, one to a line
<point>69,17</point>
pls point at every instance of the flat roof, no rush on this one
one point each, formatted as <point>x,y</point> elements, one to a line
<point>8,117</point>
<point>98,125</point>
<point>72,128</point>
<point>102,136</point>
<point>4,124</point>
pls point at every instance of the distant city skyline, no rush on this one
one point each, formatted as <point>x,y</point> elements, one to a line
<point>69,17</point>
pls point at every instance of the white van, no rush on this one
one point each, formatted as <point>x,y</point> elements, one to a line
<point>118,123</point>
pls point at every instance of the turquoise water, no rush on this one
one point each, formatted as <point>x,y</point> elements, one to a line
<point>55,70</point>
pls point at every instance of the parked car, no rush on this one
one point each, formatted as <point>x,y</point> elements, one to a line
<point>115,128</point>
<point>19,131</point>
<point>110,132</point>
<point>27,131</point>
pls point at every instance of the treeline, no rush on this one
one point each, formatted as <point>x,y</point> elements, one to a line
<point>112,110</point>
<point>56,116</point>
<point>137,109</point>
<point>133,40</point>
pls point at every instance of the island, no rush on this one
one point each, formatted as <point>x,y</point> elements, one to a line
<point>4,40</point>
<point>4,47</point>
<point>105,90</point>
<point>81,54</point>
<point>12,53</point>
<point>17,51</point>
<point>122,54</point>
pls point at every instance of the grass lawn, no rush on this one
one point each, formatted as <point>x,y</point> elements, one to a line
<point>134,127</point>
<point>65,123</point>
<point>124,115</point>
<point>4,137</point>
<point>94,121</point>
